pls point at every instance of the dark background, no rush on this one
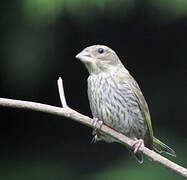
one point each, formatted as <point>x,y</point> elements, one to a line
<point>39,41</point>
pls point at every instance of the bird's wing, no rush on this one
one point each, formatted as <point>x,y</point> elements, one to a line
<point>141,102</point>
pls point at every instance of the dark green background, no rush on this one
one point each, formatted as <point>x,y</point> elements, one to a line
<point>39,41</point>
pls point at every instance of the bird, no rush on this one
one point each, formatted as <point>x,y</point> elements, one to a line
<point>116,100</point>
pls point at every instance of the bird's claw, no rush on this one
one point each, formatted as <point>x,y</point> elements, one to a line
<point>94,140</point>
<point>95,129</point>
<point>138,145</point>
<point>95,122</point>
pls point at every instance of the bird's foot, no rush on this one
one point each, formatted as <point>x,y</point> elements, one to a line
<point>95,129</point>
<point>138,145</point>
<point>95,138</point>
<point>95,122</point>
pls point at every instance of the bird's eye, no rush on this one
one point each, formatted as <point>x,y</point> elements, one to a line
<point>100,50</point>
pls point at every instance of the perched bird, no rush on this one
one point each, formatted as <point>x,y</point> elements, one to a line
<point>116,99</point>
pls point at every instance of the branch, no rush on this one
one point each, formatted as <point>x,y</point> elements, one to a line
<point>76,116</point>
<point>61,92</point>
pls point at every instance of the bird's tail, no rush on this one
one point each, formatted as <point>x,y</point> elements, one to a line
<point>161,147</point>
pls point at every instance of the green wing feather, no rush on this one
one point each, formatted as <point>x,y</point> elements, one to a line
<point>145,112</point>
<point>157,144</point>
<point>142,104</point>
<point>161,147</point>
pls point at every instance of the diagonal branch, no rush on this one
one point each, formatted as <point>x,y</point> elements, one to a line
<point>76,116</point>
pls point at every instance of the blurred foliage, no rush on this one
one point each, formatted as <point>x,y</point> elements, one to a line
<point>172,9</point>
<point>47,10</point>
<point>42,9</point>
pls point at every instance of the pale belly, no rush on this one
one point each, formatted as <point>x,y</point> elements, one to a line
<point>115,105</point>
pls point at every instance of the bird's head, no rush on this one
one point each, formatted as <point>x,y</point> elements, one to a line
<point>99,58</point>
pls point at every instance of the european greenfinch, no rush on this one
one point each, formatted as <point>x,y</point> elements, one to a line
<point>116,99</point>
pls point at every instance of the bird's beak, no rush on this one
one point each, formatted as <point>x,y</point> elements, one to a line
<point>84,56</point>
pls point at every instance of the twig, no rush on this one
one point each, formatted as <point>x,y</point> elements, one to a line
<point>72,114</point>
<point>61,92</point>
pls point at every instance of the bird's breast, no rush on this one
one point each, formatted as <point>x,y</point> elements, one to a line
<point>114,104</point>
